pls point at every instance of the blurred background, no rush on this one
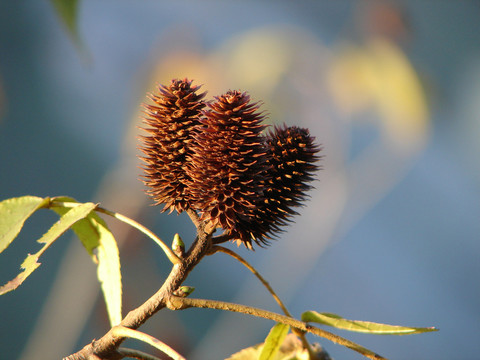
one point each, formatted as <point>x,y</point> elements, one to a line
<point>391,233</point>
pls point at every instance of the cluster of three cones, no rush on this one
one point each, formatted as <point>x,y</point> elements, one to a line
<point>213,157</point>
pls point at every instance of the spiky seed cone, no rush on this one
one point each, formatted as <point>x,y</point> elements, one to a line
<point>227,163</point>
<point>291,156</point>
<point>170,119</point>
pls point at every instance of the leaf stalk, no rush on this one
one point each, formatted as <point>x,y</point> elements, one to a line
<point>174,259</point>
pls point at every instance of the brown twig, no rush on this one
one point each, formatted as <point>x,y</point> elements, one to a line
<point>245,263</point>
<point>221,238</point>
<point>106,347</point>
<point>300,334</point>
<point>179,303</point>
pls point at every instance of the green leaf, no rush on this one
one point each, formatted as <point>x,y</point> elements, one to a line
<point>291,349</point>
<point>13,213</point>
<point>250,353</point>
<point>108,271</point>
<point>86,231</point>
<point>63,224</point>
<point>273,341</point>
<point>361,326</point>
<point>67,12</point>
<point>100,243</point>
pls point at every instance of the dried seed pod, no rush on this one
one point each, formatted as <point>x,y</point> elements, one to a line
<point>291,157</point>
<point>227,163</point>
<point>175,111</point>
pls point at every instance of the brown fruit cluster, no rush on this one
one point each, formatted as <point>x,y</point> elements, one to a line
<point>212,157</point>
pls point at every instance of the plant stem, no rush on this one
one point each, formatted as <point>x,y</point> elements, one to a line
<point>136,354</point>
<point>170,254</point>
<point>106,347</point>
<point>194,217</point>
<point>179,303</point>
<point>135,334</point>
<point>221,238</point>
<point>265,283</point>
<point>255,272</point>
